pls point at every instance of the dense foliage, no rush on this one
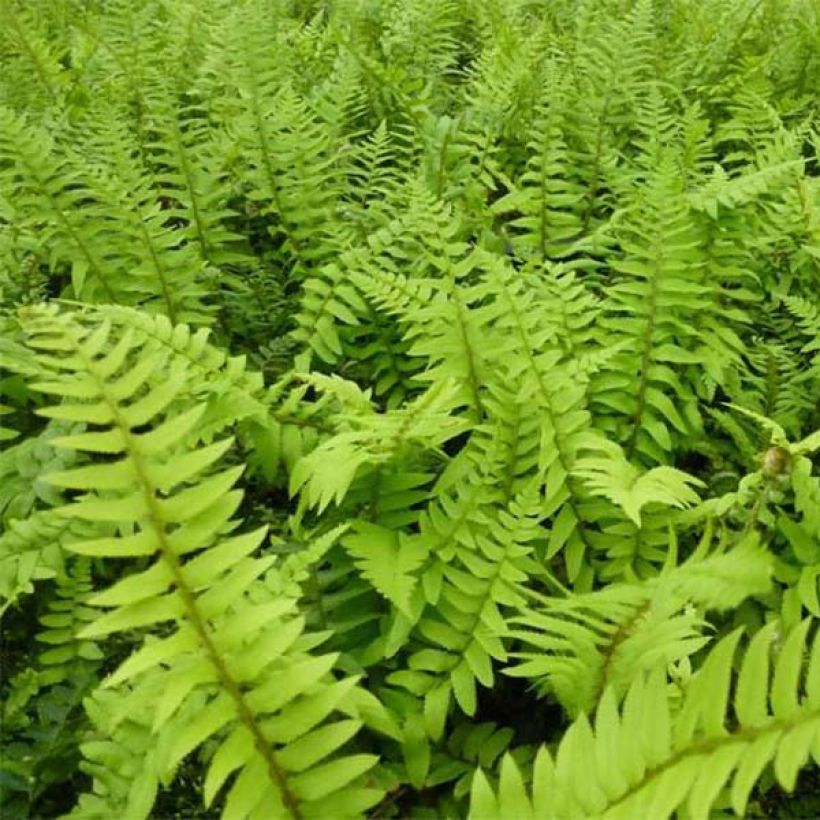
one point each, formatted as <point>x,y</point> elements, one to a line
<point>409,407</point>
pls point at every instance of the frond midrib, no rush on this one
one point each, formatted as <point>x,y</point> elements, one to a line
<point>707,746</point>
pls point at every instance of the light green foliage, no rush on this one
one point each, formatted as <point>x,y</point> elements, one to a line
<point>653,757</point>
<point>400,398</point>
<point>580,645</point>
<point>237,658</point>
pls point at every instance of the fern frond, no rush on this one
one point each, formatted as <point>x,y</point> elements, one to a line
<point>42,715</point>
<point>579,646</point>
<point>39,183</point>
<point>529,352</point>
<point>230,390</point>
<point>288,159</point>
<point>68,614</point>
<point>418,270</point>
<point>190,179</point>
<point>722,191</point>
<point>463,627</point>
<point>22,466</point>
<point>33,49</point>
<point>422,38</point>
<point>376,169</point>
<point>325,474</point>
<point>546,201</point>
<point>469,745</point>
<point>776,386</point>
<point>808,317</point>
<point>121,755</point>
<point>648,760</point>
<point>221,673</point>
<point>651,305</point>
<point>612,476</point>
<point>33,549</point>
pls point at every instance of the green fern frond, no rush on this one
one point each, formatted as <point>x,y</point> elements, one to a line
<point>651,305</point>
<point>42,712</point>
<point>775,385</point>
<point>289,165</point>
<point>22,465</point>
<point>650,760</point>
<point>529,352</point>
<point>579,646</point>
<point>612,476</point>
<point>261,692</point>
<point>469,745</point>
<point>31,50</point>
<point>463,627</point>
<point>33,549</point>
<point>121,755</point>
<point>37,181</point>
<point>325,474</point>
<point>546,201</point>
<point>230,390</point>
<point>375,171</point>
<point>722,191</point>
<point>68,614</point>
<point>190,178</point>
<point>808,317</point>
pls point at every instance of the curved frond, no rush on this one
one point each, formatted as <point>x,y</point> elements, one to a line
<point>650,759</point>
<point>258,691</point>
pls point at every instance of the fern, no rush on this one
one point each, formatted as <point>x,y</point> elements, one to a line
<point>648,758</point>
<point>39,181</point>
<point>651,302</point>
<point>389,390</point>
<point>33,550</point>
<point>126,389</point>
<point>584,644</point>
<point>550,204</point>
<point>328,471</point>
<point>26,40</point>
<point>42,753</point>
<point>536,369</point>
<point>613,477</point>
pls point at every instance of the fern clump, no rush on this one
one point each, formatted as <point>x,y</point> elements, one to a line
<point>409,409</point>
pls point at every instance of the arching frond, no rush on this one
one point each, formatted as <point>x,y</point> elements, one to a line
<point>649,759</point>
<point>262,693</point>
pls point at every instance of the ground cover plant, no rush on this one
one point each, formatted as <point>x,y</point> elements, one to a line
<point>410,408</point>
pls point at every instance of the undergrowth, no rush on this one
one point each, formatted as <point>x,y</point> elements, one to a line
<point>409,408</point>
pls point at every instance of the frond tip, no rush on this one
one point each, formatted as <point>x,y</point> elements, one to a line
<point>649,759</point>
<point>612,476</point>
